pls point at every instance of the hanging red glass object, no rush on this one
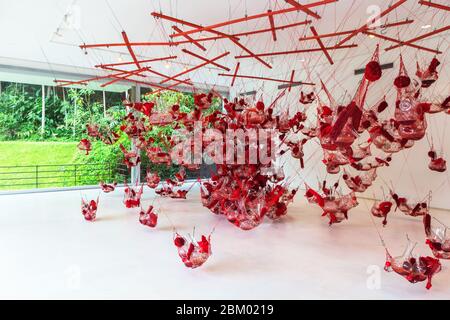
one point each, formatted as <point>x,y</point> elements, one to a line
<point>148,218</point>
<point>193,253</point>
<point>402,81</point>
<point>107,188</point>
<point>152,179</point>
<point>131,158</point>
<point>361,182</point>
<point>438,237</point>
<point>158,156</point>
<point>380,209</point>
<point>132,196</point>
<point>436,163</point>
<point>414,210</point>
<point>145,107</point>
<point>109,137</point>
<point>429,75</point>
<point>277,201</point>
<point>414,269</point>
<point>334,205</point>
<point>85,145</point>
<point>92,130</point>
<point>373,70</point>
<point>334,160</point>
<point>409,112</point>
<point>307,98</point>
<point>89,209</point>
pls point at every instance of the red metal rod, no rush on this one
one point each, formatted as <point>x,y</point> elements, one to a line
<point>256,16</point>
<point>434,5</point>
<point>125,77</point>
<point>264,78</point>
<point>84,82</point>
<point>196,67</point>
<point>393,24</point>
<point>321,45</point>
<point>291,80</point>
<point>272,26</point>
<point>151,84</point>
<point>167,77</point>
<point>167,88</point>
<point>269,54</point>
<point>401,42</point>
<point>63,83</point>
<point>130,49</point>
<point>194,42</point>
<point>381,15</point>
<point>426,35</point>
<point>303,8</point>
<point>326,35</point>
<point>204,59</point>
<point>335,34</point>
<point>132,62</point>
<point>235,73</point>
<point>249,33</point>
<point>121,71</point>
<point>134,44</point>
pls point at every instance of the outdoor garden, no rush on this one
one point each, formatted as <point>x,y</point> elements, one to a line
<point>37,153</point>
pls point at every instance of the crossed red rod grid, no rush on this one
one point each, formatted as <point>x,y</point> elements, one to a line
<point>252,17</point>
<point>233,39</point>
<point>125,75</point>
<point>132,62</point>
<point>212,38</point>
<point>383,37</point>
<point>62,83</point>
<point>148,69</point>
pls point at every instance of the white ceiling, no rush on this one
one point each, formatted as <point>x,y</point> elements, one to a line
<point>28,34</point>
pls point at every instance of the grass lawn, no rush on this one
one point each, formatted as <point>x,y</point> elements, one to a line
<point>24,153</point>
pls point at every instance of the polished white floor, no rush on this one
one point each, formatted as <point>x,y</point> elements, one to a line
<point>48,251</point>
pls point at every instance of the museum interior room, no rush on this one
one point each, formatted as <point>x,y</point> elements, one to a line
<point>233,149</point>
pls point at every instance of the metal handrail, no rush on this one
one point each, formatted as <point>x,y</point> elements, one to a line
<point>59,175</point>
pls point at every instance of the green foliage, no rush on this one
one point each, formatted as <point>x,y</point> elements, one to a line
<point>66,112</point>
<point>18,114</point>
<point>166,99</point>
